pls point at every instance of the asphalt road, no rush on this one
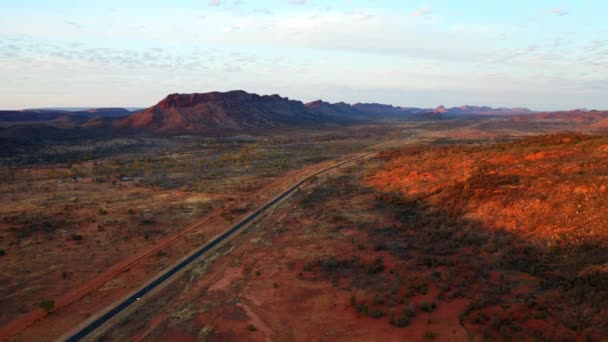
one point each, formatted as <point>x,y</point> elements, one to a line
<point>91,326</point>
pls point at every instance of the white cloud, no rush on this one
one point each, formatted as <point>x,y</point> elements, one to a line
<point>559,11</point>
<point>369,50</point>
<point>423,12</point>
<point>363,15</point>
<point>232,28</point>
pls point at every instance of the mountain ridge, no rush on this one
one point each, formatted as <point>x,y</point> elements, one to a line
<point>238,110</point>
<point>232,110</point>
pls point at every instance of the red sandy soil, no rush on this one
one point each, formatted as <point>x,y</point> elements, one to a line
<point>552,191</point>
<point>546,197</point>
<point>497,242</point>
<point>90,295</point>
<point>260,287</point>
<point>342,261</point>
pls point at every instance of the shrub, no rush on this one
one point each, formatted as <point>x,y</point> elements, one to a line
<point>76,237</point>
<point>251,327</point>
<point>421,288</point>
<point>542,315</point>
<point>409,311</point>
<point>378,314</point>
<point>400,322</point>
<point>362,308</point>
<point>333,264</point>
<point>376,266</point>
<point>379,246</point>
<point>379,300</point>
<point>429,336</point>
<point>2,252</point>
<point>427,307</point>
<point>47,304</point>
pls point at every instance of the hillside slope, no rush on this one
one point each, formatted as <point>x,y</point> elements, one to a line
<point>535,210</point>
<point>233,110</point>
<point>49,115</point>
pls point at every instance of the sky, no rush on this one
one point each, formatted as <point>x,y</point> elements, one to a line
<point>541,54</point>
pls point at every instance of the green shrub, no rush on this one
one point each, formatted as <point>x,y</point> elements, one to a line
<point>429,336</point>
<point>541,315</point>
<point>47,304</point>
<point>417,288</point>
<point>400,322</point>
<point>76,237</point>
<point>376,266</point>
<point>379,246</point>
<point>362,308</point>
<point>409,311</point>
<point>427,307</point>
<point>378,314</point>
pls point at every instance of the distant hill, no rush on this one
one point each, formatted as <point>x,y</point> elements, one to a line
<point>480,110</point>
<point>233,110</point>
<point>340,109</point>
<point>79,109</point>
<point>106,112</point>
<point>46,115</point>
<point>238,111</point>
<point>376,110</point>
<point>578,115</point>
<point>371,111</point>
<point>601,124</point>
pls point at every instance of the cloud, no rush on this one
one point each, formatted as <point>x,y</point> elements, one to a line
<point>423,12</point>
<point>559,11</point>
<point>232,68</point>
<point>363,15</point>
<point>559,42</point>
<point>232,28</point>
<point>597,45</point>
<point>263,11</point>
<point>344,45</point>
<point>73,23</point>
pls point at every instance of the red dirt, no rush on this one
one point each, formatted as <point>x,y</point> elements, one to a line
<point>545,198</point>
<point>259,291</point>
<point>537,203</point>
<point>134,267</point>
